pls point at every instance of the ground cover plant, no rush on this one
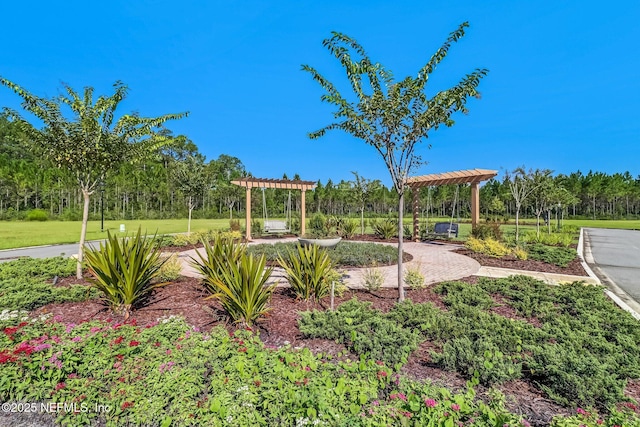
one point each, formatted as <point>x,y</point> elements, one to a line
<point>26,284</point>
<point>171,374</point>
<point>165,372</point>
<point>345,254</point>
<point>570,340</point>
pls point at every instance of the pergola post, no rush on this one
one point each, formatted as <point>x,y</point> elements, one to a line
<point>303,214</point>
<point>248,215</point>
<point>416,220</point>
<point>475,204</point>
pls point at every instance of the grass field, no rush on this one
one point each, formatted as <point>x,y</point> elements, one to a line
<point>17,234</point>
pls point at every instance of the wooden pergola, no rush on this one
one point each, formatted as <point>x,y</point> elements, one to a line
<point>286,184</point>
<point>472,176</point>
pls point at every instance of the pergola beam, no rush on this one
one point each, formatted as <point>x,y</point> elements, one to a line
<point>285,184</point>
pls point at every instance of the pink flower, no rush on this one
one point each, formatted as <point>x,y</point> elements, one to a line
<point>581,411</point>
<point>70,327</point>
<point>375,403</point>
<point>134,343</point>
<point>400,396</point>
<point>430,403</point>
<point>94,329</point>
<point>77,339</point>
<point>60,386</point>
<point>41,347</point>
<point>455,406</point>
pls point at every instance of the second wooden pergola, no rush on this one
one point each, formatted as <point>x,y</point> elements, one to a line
<point>472,176</point>
<point>286,184</point>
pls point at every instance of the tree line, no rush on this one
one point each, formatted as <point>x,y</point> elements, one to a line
<point>153,188</point>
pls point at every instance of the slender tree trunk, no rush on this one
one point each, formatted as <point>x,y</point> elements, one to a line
<point>400,231</point>
<point>83,232</point>
<point>189,221</point>
<point>362,220</point>
<point>517,222</point>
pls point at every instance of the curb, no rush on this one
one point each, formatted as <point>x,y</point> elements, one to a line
<point>585,259</point>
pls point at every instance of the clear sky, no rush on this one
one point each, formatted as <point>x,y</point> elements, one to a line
<point>562,90</point>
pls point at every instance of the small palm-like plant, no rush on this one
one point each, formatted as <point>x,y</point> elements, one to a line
<point>241,289</point>
<point>123,270</point>
<point>307,270</point>
<point>217,260</point>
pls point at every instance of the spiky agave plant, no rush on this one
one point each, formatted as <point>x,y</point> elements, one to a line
<point>123,270</point>
<point>307,270</point>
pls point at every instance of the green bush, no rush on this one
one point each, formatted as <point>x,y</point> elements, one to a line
<point>385,229</point>
<point>490,230</point>
<point>37,215</point>
<point>171,269</point>
<point>307,269</point>
<point>559,256</point>
<point>346,227</point>
<point>414,278</point>
<point>363,330</point>
<point>372,279</point>
<point>217,260</point>
<point>123,270</point>
<point>24,283</point>
<point>242,289</point>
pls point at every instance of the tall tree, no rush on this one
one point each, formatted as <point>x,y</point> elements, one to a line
<point>92,142</point>
<point>521,184</point>
<point>392,116</point>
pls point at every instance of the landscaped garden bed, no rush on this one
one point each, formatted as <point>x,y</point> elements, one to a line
<point>552,351</point>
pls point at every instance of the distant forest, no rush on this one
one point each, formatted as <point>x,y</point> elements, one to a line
<point>150,189</point>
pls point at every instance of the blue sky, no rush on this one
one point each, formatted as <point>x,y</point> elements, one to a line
<point>561,92</point>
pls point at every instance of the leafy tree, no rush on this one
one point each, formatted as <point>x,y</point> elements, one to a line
<point>191,178</point>
<point>541,193</point>
<point>521,185</point>
<point>363,190</point>
<point>392,116</point>
<point>92,142</point>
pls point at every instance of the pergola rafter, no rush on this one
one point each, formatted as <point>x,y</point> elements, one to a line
<point>287,184</point>
<point>471,176</point>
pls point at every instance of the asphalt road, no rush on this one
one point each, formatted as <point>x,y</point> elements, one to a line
<point>40,251</point>
<point>614,256</point>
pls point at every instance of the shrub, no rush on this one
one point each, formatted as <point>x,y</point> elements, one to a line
<point>385,229</point>
<point>37,215</point>
<point>171,269</point>
<point>520,253</point>
<point>242,291</point>
<point>217,260</point>
<point>317,225</point>
<point>414,278</point>
<point>256,226</point>
<point>372,279</point>
<point>307,269</point>
<point>337,278</point>
<point>407,230</point>
<point>490,230</point>
<point>123,270</point>
<point>364,330</point>
<point>559,256</point>
<point>184,239</point>
<point>234,224</point>
<point>346,227</point>
<point>24,283</point>
<point>488,246</point>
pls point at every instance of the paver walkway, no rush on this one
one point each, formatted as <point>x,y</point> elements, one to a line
<point>436,261</point>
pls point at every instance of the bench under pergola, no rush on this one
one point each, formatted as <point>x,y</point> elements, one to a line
<point>285,184</point>
<point>472,176</point>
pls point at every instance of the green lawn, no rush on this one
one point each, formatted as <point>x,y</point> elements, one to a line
<point>17,234</point>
